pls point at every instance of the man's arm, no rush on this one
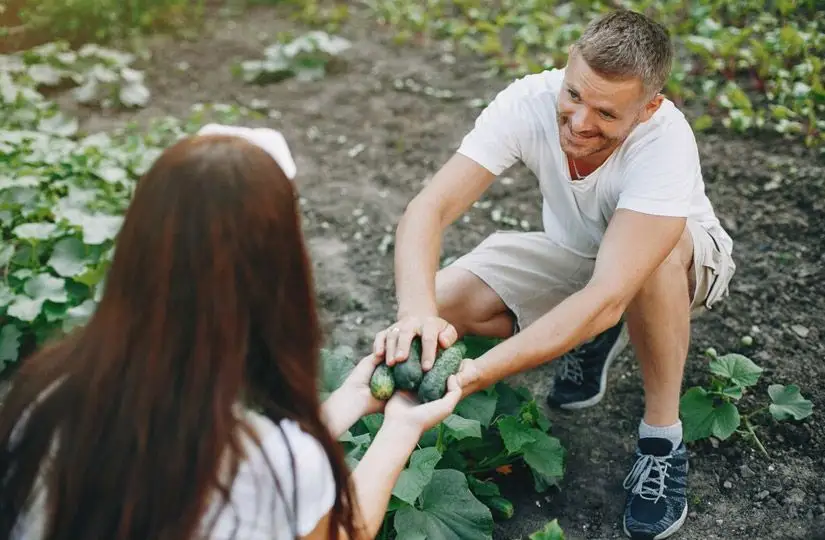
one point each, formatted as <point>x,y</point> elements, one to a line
<point>633,246</point>
<point>450,193</point>
<point>453,189</point>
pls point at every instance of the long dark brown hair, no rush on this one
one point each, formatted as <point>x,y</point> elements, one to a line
<point>209,301</point>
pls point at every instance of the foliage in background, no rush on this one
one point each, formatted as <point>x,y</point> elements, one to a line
<point>712,410</point>
<point>62,192</point>
<point>307,57</point>
<point>447,489</point>
<point>745,65</point>
<point>81,21</point>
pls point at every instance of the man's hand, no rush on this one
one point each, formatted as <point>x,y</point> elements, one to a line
<point>393,344</point>
<point>453,189</point>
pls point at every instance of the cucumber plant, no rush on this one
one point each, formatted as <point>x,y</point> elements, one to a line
<point>712,410</point>
<point>448,488</point>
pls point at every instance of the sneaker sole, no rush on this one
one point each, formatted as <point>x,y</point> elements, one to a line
<point>667,532</point>
<point>615,351</point>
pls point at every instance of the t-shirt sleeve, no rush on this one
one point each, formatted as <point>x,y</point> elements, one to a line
<point>661,174</point>
<point>502,131</point>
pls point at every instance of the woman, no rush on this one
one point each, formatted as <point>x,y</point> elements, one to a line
<point>187,407</point>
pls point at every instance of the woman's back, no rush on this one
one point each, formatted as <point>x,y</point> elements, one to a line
<point>259,508</point>
<point>208,307</point>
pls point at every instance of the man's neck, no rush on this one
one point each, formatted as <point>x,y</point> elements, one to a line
<point>586,165</point>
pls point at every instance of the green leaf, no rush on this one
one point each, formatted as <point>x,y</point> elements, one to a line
<point>788,403</point>
<point>59,124</point>
<point>46,287</point>
<point>24,308</point>
<point>551,531</point>
<point>6,295</point>
<point>733,392</point>
<point>134,94</point>
<point>514,434</point>
<point>6,253</point>
<point>737,368</point>
<point>701,417</point>
<point>336,365</point>
<point>448,511</point>
<point>462,428</point>
<point>35,231</point>
<point>417,475</point>
<point>480,406</point>
<point>79,315</point>
<point>9,343</point>
<point>545,455</point>
<point>531,415</point>
<point>68,257</point>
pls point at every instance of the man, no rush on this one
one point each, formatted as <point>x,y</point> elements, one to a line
<point>631,247</point>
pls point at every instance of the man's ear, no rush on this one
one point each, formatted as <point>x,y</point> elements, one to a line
<point>652,106</point>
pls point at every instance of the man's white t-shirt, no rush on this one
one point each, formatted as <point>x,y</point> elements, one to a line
<point>655,171</point>
<point>256,509</point>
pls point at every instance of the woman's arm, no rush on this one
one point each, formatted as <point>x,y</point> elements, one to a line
<point>378,471</point>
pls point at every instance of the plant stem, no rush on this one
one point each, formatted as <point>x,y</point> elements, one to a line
<point>754,413</point>
<point>439,442</point>
<point>749,427</point>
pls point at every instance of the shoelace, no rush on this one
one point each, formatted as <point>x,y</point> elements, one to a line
<point>571,369</point>
<point>646,486</point>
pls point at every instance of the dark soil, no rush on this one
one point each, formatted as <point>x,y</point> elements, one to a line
<point>364,148</point>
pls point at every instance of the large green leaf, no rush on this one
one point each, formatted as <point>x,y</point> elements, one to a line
<point>417,475</point>
<point>448,511</point>
<point>68,257</point>
<point>480,406</point>
<point>514,434</point>
<point>24,308</point>
<point>739,369</point>
<point>46,287</point>
<point>544,454</point>
<point>462,428</point>
<point>702,417</point>
<point>788,402</point>
<point>336,365</point>
<point>551,531</point>
<point>9,343</point>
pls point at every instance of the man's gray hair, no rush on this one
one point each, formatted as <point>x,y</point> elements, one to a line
<point>625,44</point>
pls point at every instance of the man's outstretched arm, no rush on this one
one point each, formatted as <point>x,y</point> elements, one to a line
<point>633,246</point>
<point>453,189</point>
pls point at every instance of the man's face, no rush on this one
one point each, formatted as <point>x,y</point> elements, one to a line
<point>596,114</point>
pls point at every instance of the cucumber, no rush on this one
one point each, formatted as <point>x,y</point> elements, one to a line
<point>500,507</point>
<point>382,384</point>
<point>434,383</point>
<point>408,374</point>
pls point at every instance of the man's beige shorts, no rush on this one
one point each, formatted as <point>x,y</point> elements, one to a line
<point>532,274</point>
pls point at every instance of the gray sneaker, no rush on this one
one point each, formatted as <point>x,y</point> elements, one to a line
<point>581,377</point>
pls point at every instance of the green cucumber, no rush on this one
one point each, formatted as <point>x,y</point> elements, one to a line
<point>382,384</point>
<point>434,384</point>
<point>408,373</point>
<point>500,507</point>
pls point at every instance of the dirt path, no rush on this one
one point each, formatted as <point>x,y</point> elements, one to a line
<point>363,149</point>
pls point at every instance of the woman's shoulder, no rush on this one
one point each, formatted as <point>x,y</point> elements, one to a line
<point>286,471</point>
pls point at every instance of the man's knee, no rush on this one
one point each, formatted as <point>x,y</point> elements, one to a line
<point>466,300</point>
<point>677,265</point>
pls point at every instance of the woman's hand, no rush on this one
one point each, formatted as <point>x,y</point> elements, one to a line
<point>352,399</point>
<point>404,411</point>
<point>357,386</point>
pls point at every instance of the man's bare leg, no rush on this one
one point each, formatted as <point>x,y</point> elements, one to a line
<point>470,305</point>
<point>659,326</point>
<point>658,321</point>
